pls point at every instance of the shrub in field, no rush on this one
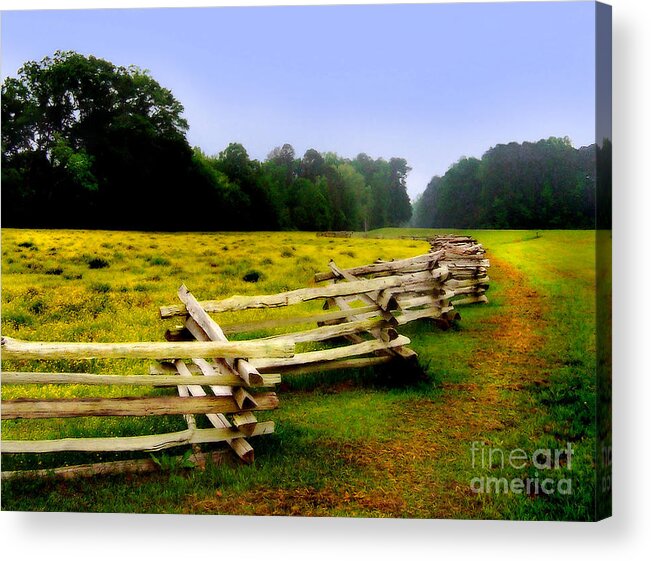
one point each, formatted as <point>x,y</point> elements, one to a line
<point>252,276</point>
<point>37,307</point>
<point>98,263</point>
<point>305,259</point>
<point>54,271</point>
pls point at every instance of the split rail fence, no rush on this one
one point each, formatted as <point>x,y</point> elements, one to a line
<point>228,381</point>
<point>467,265</point>
<point>238,401</point>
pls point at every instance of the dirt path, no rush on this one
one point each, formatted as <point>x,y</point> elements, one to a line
<point>506,361</point>
<point>418,474</point>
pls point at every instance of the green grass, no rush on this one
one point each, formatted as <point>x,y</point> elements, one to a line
<point>560,267</point>
<point>347,443</point>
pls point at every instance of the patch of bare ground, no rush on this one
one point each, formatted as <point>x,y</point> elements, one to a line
<point>301,501</point>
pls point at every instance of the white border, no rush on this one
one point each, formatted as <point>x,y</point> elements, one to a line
<point>625,536</point>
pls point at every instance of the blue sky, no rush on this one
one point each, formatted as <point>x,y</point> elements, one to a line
<point>429,83</point>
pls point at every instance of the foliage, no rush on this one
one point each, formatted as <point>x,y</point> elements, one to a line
<point>88,144</point>
<point>547,184</point>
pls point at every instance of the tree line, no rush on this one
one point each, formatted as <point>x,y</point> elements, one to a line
<point>87,144</point>
<point>544,184</point>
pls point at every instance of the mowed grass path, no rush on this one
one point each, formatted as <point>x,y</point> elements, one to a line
<point>514,373</point>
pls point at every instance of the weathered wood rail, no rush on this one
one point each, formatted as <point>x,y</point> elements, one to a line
<point>466,261</point>
<point>228,381</point>
<point>26,350</point>
<point>457,269</point>
<point>233,391</point>
<point>357,326</point>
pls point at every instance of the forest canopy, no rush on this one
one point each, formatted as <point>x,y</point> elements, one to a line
<point>546,184</point>
<point>87,144</point>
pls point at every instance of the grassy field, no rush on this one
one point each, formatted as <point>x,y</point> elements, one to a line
<point>517,373</point>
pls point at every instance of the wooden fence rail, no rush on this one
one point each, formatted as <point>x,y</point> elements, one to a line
<point>468,266</point>
<point>27,350</point>
<point>20,378</point>
<point>233,389</point>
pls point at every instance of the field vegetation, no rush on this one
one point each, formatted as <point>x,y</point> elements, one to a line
<point>518,372</point>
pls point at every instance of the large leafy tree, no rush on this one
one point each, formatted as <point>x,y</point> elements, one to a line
<point>255,210</point>
<point>85,142</point>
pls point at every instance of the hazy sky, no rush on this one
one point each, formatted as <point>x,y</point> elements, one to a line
<point>429,83</point>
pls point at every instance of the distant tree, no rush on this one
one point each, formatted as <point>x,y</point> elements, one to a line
<point>225,200</point>
<point>273,181</point>
<point>234,163</point>
<point>284,156</point>
<point>399,211</point>
<point>312,165</point>
<point>426,206</point>
<point>353,197</point>
<point>380,181</point>
<point>309,204</point>
<point>364,164</point>
<point>459,194</point>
